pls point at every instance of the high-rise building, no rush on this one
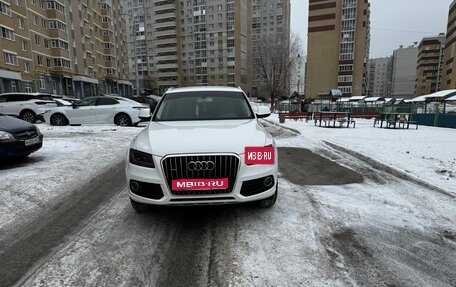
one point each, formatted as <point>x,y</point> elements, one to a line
<point>449,70</point>
<point>298,76</point>
<point>338,47</point>
<point>185,43</point>
<point>430,65</point>
<point>379,78</point>
<point>269,18</point>
<point>404,72</point>
<point>74,48</point>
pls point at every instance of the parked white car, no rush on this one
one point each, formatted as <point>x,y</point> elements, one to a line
<point>204,145</point>
<point>97,110</point>
<point>27,106</point>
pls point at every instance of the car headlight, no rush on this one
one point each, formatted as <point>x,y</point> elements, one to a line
<point>4,136</point>
<point>38,130</point>
<point>141,158</point>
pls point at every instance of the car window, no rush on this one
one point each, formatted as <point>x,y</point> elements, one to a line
<point>18,97</point>
<point>87,102</point>
<point>106,102</point>
<point>205,105</point>
<point>2,99</point>
<point>139,100</point>
<point>45,97</point>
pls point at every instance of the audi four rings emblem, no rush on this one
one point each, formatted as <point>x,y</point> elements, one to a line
<point>200,165</point>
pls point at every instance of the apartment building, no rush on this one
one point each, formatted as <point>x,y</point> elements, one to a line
<point>185,43</point>
<point>270,18</point>
<point>404,72</point>
<point>73,48</point>
<point>430,65</point>
<point>379,78</point>
<point>449,76</point>
<point>338,47</point>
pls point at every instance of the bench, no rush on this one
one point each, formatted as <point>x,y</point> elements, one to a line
<point>405,124</point>
<point>330,119</point>
<point>294,115</point>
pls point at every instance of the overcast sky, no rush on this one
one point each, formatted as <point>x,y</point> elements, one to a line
<point>393,22</point>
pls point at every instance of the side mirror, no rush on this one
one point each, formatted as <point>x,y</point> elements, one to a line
<point>263,112</point>
<point>75,106</point>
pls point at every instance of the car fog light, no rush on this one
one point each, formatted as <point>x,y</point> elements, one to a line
<point>134,186</point>
<point>268,181</point>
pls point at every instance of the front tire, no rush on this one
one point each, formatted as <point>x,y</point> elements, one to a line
<point>270,201</point>
<point>58,120</point>
<point>138,206</point>
<point>122,120</point>
<point>28,116</point>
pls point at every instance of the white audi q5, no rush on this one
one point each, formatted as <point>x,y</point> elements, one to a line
<point>203,145</point>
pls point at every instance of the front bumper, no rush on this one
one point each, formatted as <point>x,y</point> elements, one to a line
<point>17,148</point>
<point>154,188</point>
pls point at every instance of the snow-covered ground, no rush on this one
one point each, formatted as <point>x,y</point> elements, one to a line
<point>428,153</point>
<point>309,238</point>
<point>72,156</point>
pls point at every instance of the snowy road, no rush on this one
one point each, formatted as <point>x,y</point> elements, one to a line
<point>363,228</point>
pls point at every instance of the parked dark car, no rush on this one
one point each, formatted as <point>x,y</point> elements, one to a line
<point>151,100</point>
<point>18,138</point>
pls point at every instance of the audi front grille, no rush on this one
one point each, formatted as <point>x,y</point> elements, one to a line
<point>224,166</point>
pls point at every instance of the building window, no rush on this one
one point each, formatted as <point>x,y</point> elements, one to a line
<point>5,8</point>
<point>42,82</point>
<point>345,68</point>
<point>13,87</point>
<point>24,45</point>
<point>39,60</point>
<point>345,79</point>
<point>26,67</point>
<point>54,5</point>
<point>38,40</point>
<point>10,58</point>
<point>20,23</point>
<point>28,88</point>
<point>345,89</point>
<point>7,33</point>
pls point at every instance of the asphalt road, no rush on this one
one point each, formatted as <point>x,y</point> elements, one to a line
<point>96,239</point>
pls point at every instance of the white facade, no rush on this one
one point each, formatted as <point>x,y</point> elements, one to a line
<point>380,74</point>
<point>404,72</point>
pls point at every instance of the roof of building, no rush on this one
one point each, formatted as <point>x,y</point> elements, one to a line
<point>437,96</point>
<point>374,99</point>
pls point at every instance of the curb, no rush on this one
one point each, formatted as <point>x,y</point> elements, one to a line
<point>395,172</point>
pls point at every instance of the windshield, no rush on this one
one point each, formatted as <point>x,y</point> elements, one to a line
<point>206,105</point>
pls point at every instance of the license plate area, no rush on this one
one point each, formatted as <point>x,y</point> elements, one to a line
<point>199,184</point>
<point>32,141</point>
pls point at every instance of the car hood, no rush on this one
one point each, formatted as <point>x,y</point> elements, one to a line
<point>231,136</point>
<point>12,125</point>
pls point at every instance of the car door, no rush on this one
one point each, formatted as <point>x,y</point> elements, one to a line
<point>82,112</point>
<point>3,105</point>
<point>106,110</point>
<point>13,104</point>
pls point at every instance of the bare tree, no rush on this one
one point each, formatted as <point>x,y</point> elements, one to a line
<point>274,59</point>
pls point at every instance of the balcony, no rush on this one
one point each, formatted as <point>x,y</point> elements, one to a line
<point>165,33</point>
<point>171,15</point>
<point>165,41</point>
<point>164,7</point>
<point>165,24</point>
<point>166,66</point>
